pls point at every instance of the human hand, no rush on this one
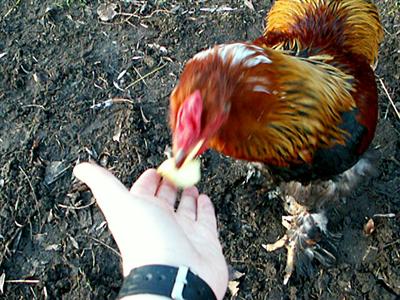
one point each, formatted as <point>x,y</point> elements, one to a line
<point>148,230</point>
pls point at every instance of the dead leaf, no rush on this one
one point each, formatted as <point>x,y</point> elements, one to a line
<point>233,284</point>
<point>2,280</point>
<point>53,247</point>
<point>74,242</point>
<point>369,227</point>
<point>249,4</point>
<point>233,287</point>
<point>54,170</point>
<point>107,12</point>
<point>116,137</point>
<point>234,274</point>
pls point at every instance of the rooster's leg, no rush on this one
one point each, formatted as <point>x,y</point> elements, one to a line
<point>305,231</point>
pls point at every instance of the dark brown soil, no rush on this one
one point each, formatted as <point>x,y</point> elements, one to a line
<point>58,61</point>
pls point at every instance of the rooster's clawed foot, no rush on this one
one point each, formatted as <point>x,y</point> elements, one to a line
<point>306,232</point>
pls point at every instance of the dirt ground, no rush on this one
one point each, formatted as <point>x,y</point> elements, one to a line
<point>59,64</point>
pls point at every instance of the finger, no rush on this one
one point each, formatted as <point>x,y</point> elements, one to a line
<point>206,212</point>
<point>167,192</point>
<point>147,183</point>
<point>104,186</point>
<point>188,204</point>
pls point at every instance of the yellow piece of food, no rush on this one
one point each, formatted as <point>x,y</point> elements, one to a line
<point>187,175</point>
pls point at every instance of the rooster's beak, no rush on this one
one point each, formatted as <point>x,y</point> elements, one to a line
<point>181,156</point>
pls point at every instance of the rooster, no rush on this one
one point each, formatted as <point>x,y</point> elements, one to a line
<point>301,100</point>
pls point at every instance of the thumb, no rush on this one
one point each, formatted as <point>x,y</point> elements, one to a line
<point>105,187</point>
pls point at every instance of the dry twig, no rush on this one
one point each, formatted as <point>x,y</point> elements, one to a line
<point>77,207</point>
<point>27,281</point>
<point>110,102</point>
<point>105,245</point>
<point>145,76</point>
<point>390,98</point>
<point>31,186</point>
<point>11,9</point>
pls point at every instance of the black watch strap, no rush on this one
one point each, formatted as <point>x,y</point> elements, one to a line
<point>175,283</point>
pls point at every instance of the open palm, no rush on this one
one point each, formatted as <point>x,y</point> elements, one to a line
<point>148,230</point>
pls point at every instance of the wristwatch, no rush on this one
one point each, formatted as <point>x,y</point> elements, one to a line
<point>175,283</point>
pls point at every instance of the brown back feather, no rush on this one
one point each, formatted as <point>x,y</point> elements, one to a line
<point>345,24</point>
